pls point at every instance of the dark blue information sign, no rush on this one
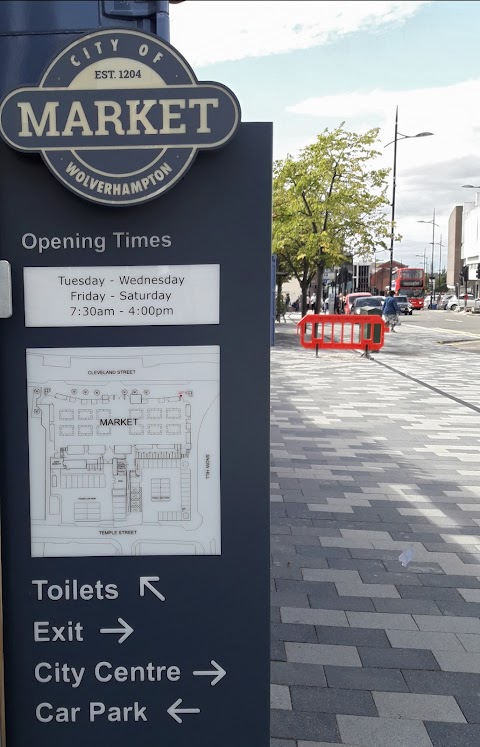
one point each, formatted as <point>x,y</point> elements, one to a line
<point>134,409</point>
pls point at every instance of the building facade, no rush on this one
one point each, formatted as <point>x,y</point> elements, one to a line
<point>454,256</point>
<point>470,244</point>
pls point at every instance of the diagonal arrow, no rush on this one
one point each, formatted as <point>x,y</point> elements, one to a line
<point>126,630</point>
<point>145,584</point>
<point>218,673</point>
<point>173,711</point>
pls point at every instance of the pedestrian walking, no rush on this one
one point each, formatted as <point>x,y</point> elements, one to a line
<point>390,311</point>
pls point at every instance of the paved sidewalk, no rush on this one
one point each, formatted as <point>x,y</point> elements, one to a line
<point>366,464</point>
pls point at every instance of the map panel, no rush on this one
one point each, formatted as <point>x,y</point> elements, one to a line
<point>124,448</point>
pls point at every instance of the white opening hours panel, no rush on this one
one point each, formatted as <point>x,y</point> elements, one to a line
<point>121,296</point>
<point>124,448</point>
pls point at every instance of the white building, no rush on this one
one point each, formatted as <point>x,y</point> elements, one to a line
<point>470,251</point>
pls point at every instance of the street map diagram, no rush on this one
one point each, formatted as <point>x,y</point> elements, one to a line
<point>124,448</point>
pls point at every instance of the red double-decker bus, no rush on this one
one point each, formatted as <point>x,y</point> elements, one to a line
<point>410,282</point>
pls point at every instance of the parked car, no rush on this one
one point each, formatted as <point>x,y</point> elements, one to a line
<point>350,298</point>
<point>368,305</point>
<point>442,304</point>
<point>404,305</point>
<point>455,303</point>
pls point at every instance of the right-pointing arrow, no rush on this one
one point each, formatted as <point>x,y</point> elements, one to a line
<point>217,674</point>
<point>125,630</point>
<point>174,710</point>
<point>145,584</point>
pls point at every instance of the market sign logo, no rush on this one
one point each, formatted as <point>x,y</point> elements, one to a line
<point>119,117</point>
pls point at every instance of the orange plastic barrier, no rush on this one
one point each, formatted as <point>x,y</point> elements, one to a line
<point>342,332</point>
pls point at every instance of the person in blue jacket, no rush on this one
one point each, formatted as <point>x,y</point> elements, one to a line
<point>390,310</point>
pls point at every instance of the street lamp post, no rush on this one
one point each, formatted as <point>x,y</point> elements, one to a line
<point>432,276</point>
<point>424,257</point>
<point>440,246</point>
<point>398,136</point>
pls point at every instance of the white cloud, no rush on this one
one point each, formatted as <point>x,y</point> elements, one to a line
<point>209,31</point>
<point>430,170</point>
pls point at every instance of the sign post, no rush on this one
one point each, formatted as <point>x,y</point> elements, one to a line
<point>134,459</point>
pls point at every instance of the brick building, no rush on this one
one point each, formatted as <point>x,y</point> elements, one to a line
<point>380,277</point>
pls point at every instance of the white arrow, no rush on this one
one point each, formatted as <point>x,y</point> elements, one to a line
<point>174,711</point>
<point>217,674</point>
<point>126,630</point>
<point>145,584</point>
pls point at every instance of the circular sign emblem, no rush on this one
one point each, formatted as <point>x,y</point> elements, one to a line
<point>119,117</point>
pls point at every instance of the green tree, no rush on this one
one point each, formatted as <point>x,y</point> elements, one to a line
<point>442,282</point>
<point>328,203</point>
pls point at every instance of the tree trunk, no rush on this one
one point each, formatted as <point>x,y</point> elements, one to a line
<point>278,311</point>
<point>318,300</point>
<point>304,283</point>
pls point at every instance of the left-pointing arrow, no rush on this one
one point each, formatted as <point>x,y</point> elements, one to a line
<point>125,630</point>
<point>174,710</point>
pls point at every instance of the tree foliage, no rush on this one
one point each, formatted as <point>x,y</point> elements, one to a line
<point>329,203</point>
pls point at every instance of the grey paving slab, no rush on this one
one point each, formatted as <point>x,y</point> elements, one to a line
<point>331,700</point>
<point>313,616</point>
<point>448,624</point>
<point>356,564</point>
<point>418,707</point>
<point>440,683</point>
<point>381,620</point>
<point>434,593</point>
<point>365,731</point>
<point>456,661</point>
<point>387,591</point>
<point>352,604</point>
<point>323,653</point>
<point>287,586</point>
<point>459,609</point>
<point>285,599</point>
<point>288,673</point>
<point>277,651</point>
<point>451,581</point>
<point>425,640</point>
<point>301,725</point>
<point>398,658</point>
<point>280,697</point>
<point>361,637</point>
<point>300,633</point>
<point>470,706</point>
<point>387,680</point>
<point>469,642</point>
<point>454,735</point>
<point>409,606</point>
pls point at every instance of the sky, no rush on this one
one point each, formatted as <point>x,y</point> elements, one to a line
<point>308,65</point>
